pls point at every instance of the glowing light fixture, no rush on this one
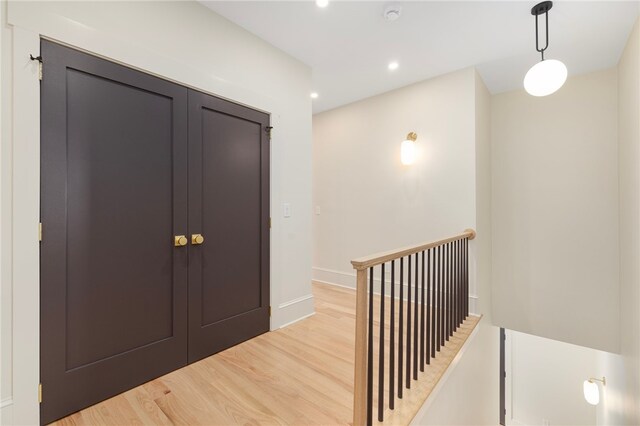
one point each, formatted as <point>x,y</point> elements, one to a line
<point>322,3</point>
<point>392,66</point>
<point>314,95</point>
<point>547,76</point>
<point>408,149</point>
<point>591,390</point>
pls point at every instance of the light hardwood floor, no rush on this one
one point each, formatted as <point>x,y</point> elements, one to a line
<point>298,375</point>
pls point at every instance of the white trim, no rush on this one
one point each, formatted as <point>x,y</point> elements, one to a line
<point>508,383</point>
<point>6,411</point>
<point>297,320</point>
<point>294,301</point>
<point>292,311</point>
<point>330,276</point>
<point>334,284</point>
<point>26,216</point>
<point>436,390</point>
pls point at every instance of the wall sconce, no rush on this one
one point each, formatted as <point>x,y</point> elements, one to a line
<point>408,149</point>
<point>591,390</point>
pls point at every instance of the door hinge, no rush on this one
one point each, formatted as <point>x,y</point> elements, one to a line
<point>40,392</point>
<point>40,231</point>
<point>269,223</point>
<point>268,130</point>
<point>39,59</point>
<point>269,310</point>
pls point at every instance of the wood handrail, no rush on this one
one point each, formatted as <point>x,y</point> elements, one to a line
<point>379,258</point>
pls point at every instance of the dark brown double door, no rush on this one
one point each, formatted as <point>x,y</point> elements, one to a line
<point>128,162</point>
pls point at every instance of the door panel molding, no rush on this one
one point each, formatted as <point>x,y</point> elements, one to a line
<point>227,138</point>
<point>74,382</point>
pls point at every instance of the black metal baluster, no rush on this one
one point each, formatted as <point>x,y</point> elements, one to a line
<point>447,324</point>
<point>447,292</point>
<point>450,317</point>
<point>445,333</point>
<point>454,288</point>
<point>370,353</point>
<point>442,288</point>
<point>392,337</point>
<point>461,284</point>
<point>436,300</point>
<point>400,327</point>
<point>428,326</point>
<point>465,284</point>
<point>466,276</point>
<point>381,350</point>
<point>434,304</point>
<point>416,305</point>
<point>458,287</point>
<point>422,342</point>
<point>408,366</point>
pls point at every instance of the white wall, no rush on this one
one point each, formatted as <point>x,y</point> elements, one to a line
<point>5,219</point>
<point>625,393</point>
<point>544,381</point>
<point>555,212</point>
<point>181,41</point>
<point>469,394</point>
<point>369,202</point>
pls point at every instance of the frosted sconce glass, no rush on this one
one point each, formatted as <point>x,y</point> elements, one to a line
<point>408,149</point>
<point>591,390</point>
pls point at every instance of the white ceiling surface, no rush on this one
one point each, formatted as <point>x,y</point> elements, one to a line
<point>349,44</point>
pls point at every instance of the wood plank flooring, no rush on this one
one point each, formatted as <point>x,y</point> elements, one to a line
<point>298,375</point>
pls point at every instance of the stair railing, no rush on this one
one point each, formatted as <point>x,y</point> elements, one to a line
<point>437,303</point>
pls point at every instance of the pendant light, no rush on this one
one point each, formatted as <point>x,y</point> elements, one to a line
<point>547,76</point>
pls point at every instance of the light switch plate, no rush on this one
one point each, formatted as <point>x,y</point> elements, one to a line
<point>287,210</point>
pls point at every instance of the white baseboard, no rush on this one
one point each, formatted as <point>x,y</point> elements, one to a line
<point>348,280</point>
<point>292,311</point>
<point>6,411</point>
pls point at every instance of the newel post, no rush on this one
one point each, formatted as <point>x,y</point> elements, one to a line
<point>360,376</point>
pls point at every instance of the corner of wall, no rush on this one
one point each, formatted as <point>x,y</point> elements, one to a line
<point>483,195</point>
<point>622,400</point>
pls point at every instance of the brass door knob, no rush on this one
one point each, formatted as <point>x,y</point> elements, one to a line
<point>197,239</point>
<point>180,240</point>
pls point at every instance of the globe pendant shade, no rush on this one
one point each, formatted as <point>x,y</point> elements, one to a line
<point>545,77</point>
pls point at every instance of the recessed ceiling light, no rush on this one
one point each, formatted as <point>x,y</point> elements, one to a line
<point>392,66</point>
<point>314,95</point>
<point>322,3</point>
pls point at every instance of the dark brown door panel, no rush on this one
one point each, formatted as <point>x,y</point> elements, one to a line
<point>114,192</point>
<point>128,161</point>
<point>229,206</point>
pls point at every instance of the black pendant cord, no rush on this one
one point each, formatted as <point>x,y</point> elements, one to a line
<point>538,10</point>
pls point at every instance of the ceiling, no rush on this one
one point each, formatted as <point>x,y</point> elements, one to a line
<point>349,44</point>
